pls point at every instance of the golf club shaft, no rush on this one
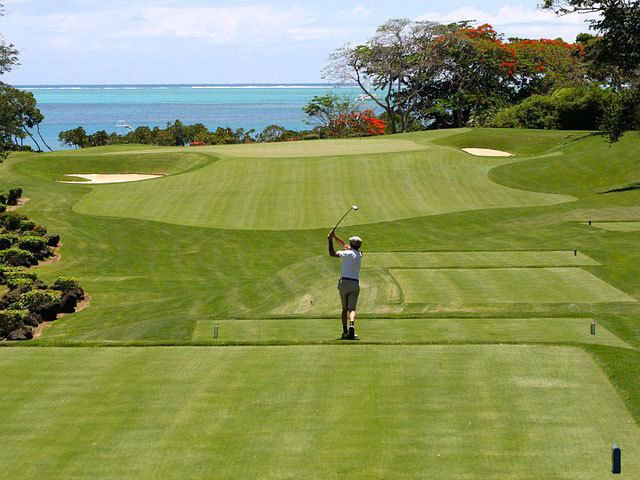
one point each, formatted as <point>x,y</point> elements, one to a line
<point>340,221</point>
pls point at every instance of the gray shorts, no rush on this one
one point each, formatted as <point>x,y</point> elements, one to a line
<point>349,291</point>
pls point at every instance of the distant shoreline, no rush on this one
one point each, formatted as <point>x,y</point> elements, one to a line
<point>134,86</point>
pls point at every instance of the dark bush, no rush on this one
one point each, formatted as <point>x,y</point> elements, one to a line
<point>14,283</point>
<point>65,284</point>
<point>32,243</point>
<point>27,225</point>
<point>11,220</point>
<point>23,333</point>
<point>53,239</point>
<point>14,195</point>
<point>7,240</point>
<point>3,198</point>
<point>39,230</point>
<point>17,258</point>
<point>32,320</point>
<point>68,303</point>
<point>10,298</point>
<point>31,300</point>
<point>48,311</point>
<point>10,320</point>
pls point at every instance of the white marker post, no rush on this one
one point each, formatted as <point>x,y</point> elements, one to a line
<point>593,328</point>
<point>215,331</point>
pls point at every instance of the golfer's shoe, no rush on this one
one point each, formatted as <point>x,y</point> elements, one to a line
<point>345,336</point>
<point>352,334</point>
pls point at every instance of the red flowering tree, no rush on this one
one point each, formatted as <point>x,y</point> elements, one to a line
<point>356,124</point>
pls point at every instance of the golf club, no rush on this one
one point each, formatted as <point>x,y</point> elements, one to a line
<point>353,207</point>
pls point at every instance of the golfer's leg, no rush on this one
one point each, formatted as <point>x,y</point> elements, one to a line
<point>345,315</point>
<point>352,318</point>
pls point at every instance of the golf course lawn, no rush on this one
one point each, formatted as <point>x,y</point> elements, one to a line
<point>481,278</point>
<point>411,330</point>
<point>618,226</point>
<point>525,412</point>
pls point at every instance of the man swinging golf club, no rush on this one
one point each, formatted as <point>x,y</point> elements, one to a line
<point>348,286</point>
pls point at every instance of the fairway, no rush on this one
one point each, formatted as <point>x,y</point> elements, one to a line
<point>618,226</point>
<point>309,192</point>
<point>401,412</point>
<point>410,330</point>
<point>476,259</point>
<point>505,285</point>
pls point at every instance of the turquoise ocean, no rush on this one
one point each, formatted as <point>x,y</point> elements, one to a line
<point>108,107</point>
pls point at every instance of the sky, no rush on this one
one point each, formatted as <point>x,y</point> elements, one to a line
<point>231,41</point>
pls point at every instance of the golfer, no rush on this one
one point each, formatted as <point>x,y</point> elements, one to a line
<point>349,285</point>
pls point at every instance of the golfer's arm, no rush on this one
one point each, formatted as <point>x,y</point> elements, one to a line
<point>332,251</point>
<point>341,242</point>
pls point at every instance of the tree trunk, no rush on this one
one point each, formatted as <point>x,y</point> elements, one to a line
<point>40,135</point>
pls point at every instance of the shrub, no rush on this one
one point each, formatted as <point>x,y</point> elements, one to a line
<point>14,195</point>
<point>27,225</point>
<point>7,240</point>
<point>32,243</point>
<point>16,257</point>
<point>39,230</point>
<point>9,321</point>
<point>33,299</point>
<point>11,220</point>
<point>3,198</point>
<point>65,284</point>
<point>14,283</point>
<point>566,109</point>
<point>12,274</point>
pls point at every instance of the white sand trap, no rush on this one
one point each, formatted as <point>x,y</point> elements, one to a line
<point>110,177</point>
<point>487,152</point>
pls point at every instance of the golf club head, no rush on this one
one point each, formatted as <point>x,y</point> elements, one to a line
<point>355,207</point>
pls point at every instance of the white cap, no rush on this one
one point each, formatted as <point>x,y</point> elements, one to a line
<point>355,241</point>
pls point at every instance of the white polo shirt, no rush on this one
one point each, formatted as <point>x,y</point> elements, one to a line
<point>351,261</point>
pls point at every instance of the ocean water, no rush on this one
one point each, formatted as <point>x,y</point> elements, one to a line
<point>104,107</point>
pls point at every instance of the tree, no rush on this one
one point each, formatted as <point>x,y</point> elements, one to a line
<point>397,62</point>
<point>18,115</point>
<point>74,138</point>
<point>322,110</point>
<point>18,111</point>
<point>617,49</point>
<point>8,53</point>
<point>617,25</point>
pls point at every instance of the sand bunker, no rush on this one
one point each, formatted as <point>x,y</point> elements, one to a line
<point>110,178</point>
<point>487,152</point>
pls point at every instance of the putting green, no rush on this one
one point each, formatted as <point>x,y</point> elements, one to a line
<point>477,259</point>
<point>551,330</point>
<point>618,226</point>
<point>454,412</point>
<point>311,192</point>
<point>505,285</point>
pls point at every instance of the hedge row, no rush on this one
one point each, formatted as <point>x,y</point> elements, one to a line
<point>28,301</point>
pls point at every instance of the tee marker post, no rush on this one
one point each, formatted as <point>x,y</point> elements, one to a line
<point>616,460</point>
<point>215,331</point>
<point>593,328</point>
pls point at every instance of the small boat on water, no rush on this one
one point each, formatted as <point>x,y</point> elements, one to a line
<point>364,97</point>
<point>121,124</point>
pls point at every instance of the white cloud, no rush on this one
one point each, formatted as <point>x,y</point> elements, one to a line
<point>223,25</point>
<point>518,21</point>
